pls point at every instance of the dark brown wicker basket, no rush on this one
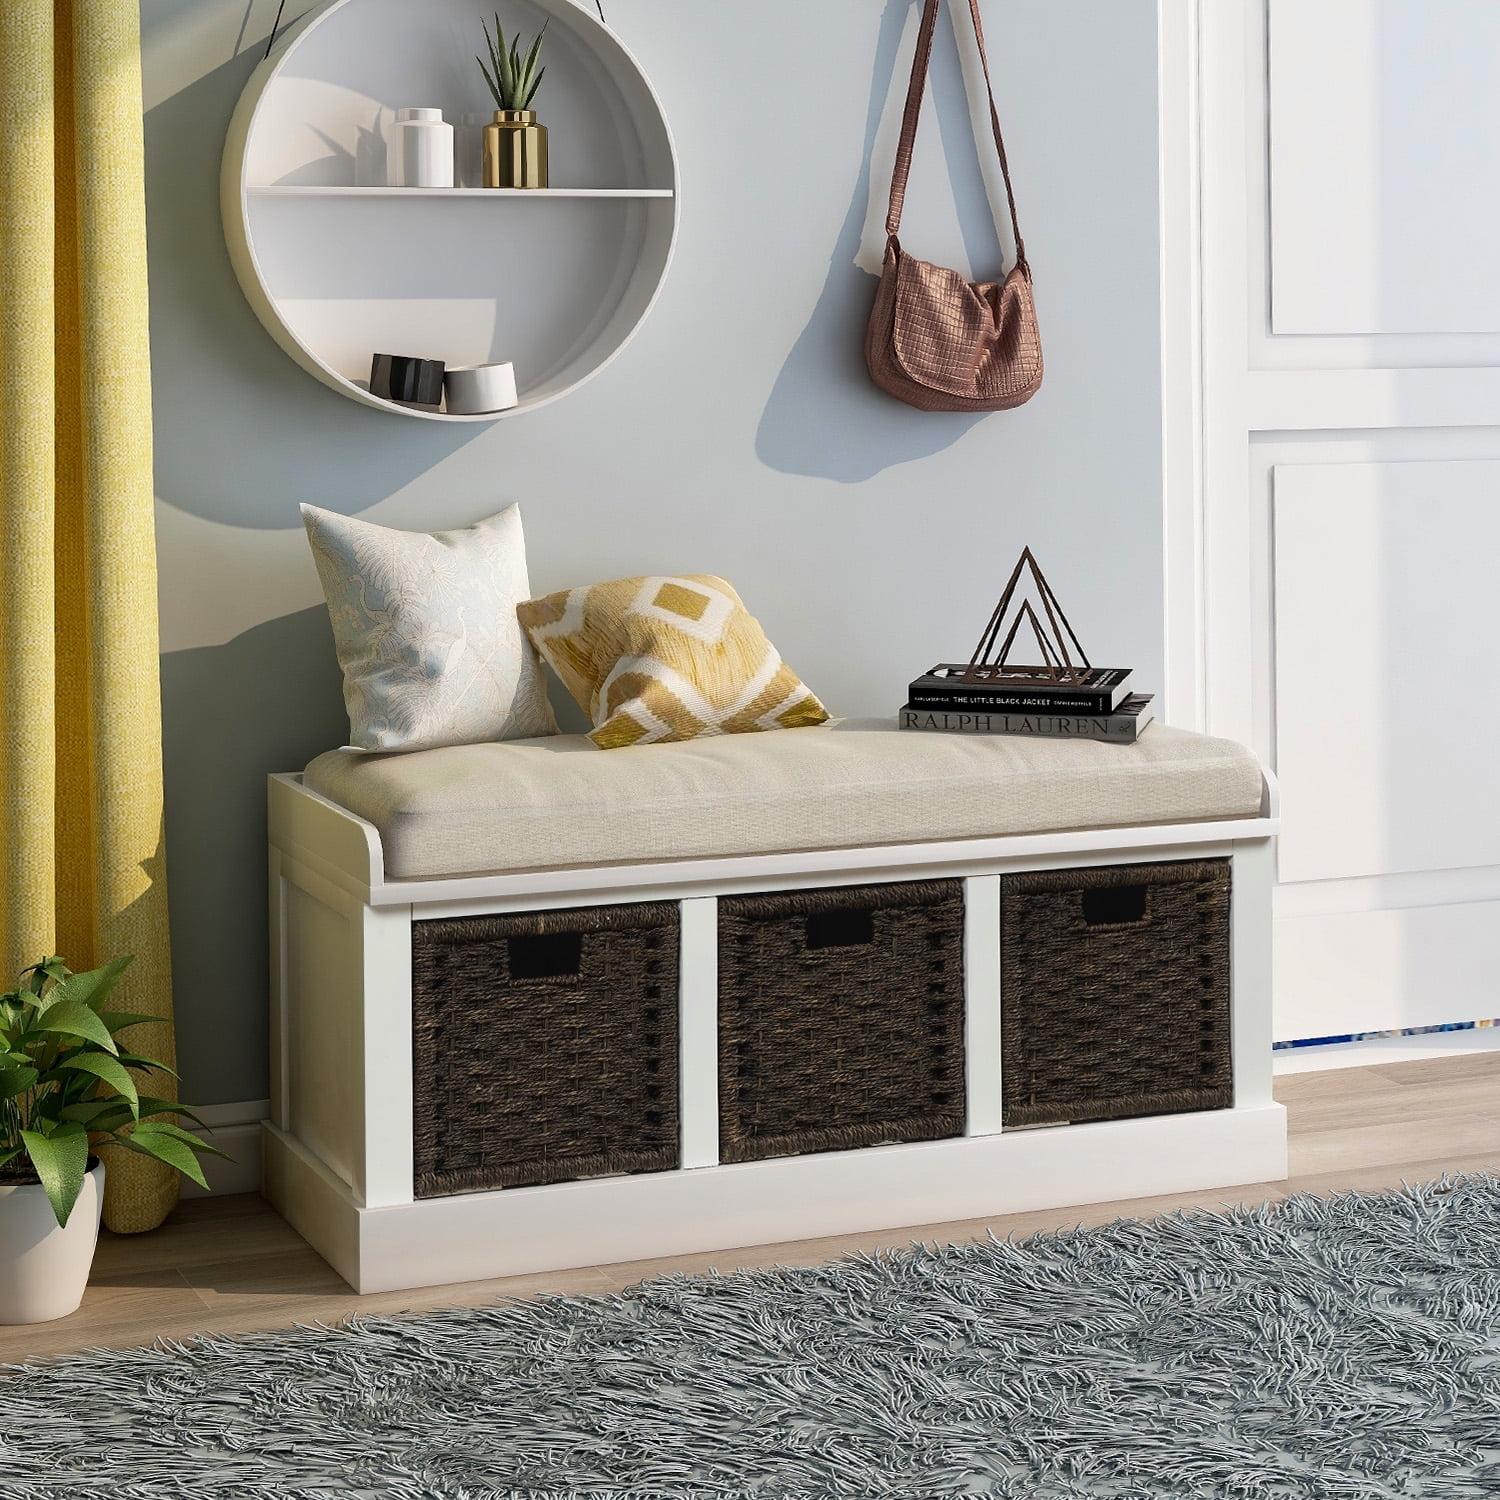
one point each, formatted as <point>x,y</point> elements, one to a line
<point>1115,992</point>
<point>545,1047</point>
<point>841,1018</point>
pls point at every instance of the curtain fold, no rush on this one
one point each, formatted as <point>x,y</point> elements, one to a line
<point>81,851</point>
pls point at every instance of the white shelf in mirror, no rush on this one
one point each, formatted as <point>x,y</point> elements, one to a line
<point>284,190</point>
<point>559,289</point>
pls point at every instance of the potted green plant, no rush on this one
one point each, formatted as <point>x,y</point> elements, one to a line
<point>515,146</point>
<point>65,1091</point>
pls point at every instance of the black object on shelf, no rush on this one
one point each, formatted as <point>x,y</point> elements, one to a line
<point>407,377</point>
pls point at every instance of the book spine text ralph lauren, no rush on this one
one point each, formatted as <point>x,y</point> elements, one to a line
<point>1121,729</point>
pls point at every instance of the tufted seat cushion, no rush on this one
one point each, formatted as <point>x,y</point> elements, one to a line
<point>539,803</point>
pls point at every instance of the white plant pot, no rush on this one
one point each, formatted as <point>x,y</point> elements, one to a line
<point>470,389</point>
<point>44,1269</point>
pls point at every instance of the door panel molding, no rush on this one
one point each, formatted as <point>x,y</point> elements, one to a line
<point>1255,401</point>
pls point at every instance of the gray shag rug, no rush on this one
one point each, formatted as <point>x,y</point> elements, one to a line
<point>1345,1347</point>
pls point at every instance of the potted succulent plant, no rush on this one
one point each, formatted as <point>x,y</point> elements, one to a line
<point>65,1091</point>
<point>515,146</point>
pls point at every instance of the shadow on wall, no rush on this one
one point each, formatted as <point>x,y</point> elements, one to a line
<point>239,430</point>
<point>824,389</point>
<point>233,396</point>
<point>268,700</point>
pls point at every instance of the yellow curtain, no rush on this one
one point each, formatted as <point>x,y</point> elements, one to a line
<point>81,855</point>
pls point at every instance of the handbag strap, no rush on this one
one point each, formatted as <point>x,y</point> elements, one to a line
<point>914,92</point>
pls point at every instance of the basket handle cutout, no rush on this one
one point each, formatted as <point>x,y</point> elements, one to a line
<point>840,929</point>
<point>1115,906</point>
<point>547,955</point>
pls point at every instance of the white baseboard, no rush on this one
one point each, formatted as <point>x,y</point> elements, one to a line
<point>235,1130</point>
<point>1386,1049</point>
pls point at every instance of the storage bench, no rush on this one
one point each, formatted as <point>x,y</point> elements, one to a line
<point>536,1005</point>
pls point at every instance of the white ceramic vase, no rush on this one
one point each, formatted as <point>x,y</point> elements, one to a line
<point>469,390</point>
<point>44,1269</point>
<point>421,150</point>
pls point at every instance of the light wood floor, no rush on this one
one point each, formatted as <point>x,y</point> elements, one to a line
<point>231,1265</point>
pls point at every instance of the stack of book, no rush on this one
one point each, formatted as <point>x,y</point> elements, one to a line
<point>1093,703</point>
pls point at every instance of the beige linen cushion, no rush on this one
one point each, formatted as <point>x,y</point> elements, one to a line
<point>551,802</point>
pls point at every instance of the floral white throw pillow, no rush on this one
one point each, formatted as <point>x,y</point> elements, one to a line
<point>426,631</point>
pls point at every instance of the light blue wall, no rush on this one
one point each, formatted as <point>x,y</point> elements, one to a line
<point>738,434</point>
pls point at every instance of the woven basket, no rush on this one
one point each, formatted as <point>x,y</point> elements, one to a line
<point>545,1047</point>
<point>841,1018</point>
<point>1115,992</point>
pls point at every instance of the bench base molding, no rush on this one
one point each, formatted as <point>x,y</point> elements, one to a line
<point>476,1236</point>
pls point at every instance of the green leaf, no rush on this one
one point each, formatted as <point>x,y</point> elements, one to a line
<point>60,1159</point>
<point>8,1155</point>
<point>39,973</point>
<point>148,1064</point>
<point>492,84</point>
<point>531,58</point>
<point>15,1081</point>
<point>90,988</point>
<point>536,84</point>
<point>151,1107</point>
<point>118,1020</point>
<point>46,1109</point>
<point>503,65</point>
<point>154,1142</point>
<point>165,1127</point>
<point>75,1019</point>
<point>108,1069</point>
<point>99,1114</point>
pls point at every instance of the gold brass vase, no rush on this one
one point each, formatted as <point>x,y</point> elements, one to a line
<point>515,150</point>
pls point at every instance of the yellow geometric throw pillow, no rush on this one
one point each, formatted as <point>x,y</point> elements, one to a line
<point>655,659</point>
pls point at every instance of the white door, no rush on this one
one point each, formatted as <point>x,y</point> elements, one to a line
<point>1334,528</point>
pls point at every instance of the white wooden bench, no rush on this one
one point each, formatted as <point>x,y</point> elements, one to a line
<point>361,848</point>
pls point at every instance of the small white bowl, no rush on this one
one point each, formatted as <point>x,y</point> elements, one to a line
<point>471,389</point>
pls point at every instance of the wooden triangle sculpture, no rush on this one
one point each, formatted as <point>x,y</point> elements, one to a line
<point>991,664</point>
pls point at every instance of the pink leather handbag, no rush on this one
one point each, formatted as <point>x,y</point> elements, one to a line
<point>936,340</point>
